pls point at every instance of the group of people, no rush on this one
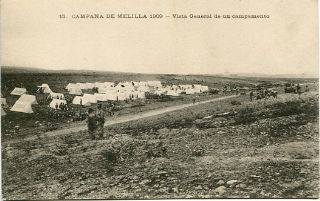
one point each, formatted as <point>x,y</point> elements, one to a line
<point>62,106</point>
<point>263,93</point>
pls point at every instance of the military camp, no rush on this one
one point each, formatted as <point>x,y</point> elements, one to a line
<point>79,135</point>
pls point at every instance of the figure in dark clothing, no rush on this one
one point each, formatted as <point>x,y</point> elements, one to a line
<point>92,124</point>
<point>251,96</point>
<point>298,89</point>
<point>100,114</point>
<point>307,89</point>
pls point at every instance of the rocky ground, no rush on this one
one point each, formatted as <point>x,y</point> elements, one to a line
<point>263,149</point>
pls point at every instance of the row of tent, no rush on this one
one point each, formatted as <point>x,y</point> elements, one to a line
<point>106,91</point>
<point>88,99</point>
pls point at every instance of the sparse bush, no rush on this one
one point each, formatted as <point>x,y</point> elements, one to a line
<point>234,102</point>
<point>61,150</point>
<point>245,116</point>
<point>110,156</point>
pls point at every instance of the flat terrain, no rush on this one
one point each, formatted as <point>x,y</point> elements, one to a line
<point>227,147</point>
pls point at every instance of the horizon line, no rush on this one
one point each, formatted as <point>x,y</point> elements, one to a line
<point>240,74</point>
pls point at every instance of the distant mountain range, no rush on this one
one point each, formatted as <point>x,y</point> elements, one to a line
<point>6,69</point>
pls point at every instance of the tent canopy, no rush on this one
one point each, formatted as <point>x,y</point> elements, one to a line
<point>88,98</point>
<point>18,91</point>
<point>45,88</point>
<point>23,104</point>
<point>28,99</point>
<point>78,100</point>
<point>55,102</point>
<point>75,91</point>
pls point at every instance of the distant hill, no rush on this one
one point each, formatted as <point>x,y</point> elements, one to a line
<point>7,69</point>
<point>262,75</point>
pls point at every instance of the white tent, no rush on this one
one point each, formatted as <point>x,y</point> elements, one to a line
<point>20,106</point>
<point>4,102</point>
<point>154,83</point>
<point>55,102</point>
<point>45,88</point>
<point>53,95</point>
<point>23,104</point>
<point>3,113</point>
<point>112,96</point>
<point>143,88</point>
<point>28,99</point>
<point>100,97</point>
<point>172,93</point>
<point>108,84</point>
<point>191,91</point>
<point>18,91</point>
<point>141,95</point>
<point>88,98</point>
<point>77,100</point>
<point>71,85</point>
<point>106,90</point>
<point>89,85</point>
<point>121,96</point>
<point>204,88</point>
<point>99,84</point>
<point>75,91</point>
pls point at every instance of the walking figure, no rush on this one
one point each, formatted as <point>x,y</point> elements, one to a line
<point>92,124</point>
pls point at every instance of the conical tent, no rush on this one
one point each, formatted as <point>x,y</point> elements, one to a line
<point>18,91</point>
<point>71,85</point>
<point>45,88</point>
<point>20,106</point>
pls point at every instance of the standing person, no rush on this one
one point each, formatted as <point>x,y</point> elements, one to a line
<point>251,95</point>
<point>92,123</point>
<point>307,89</point>
<point>100,114</point>
<point>298,89</point>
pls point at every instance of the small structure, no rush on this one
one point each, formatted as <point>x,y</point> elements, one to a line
<point>55,103</point>
<point>53,95</point>
<point>88,99</point>
<point>4,103</point>
<point>23,104</point>
<point>44,88</point>
<point>75,91</point>
<point>18,91</point>
<point>77,100</point>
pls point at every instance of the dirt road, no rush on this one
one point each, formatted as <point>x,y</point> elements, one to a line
<point>116,120</point>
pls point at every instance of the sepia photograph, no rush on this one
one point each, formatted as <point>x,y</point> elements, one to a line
<point>171,99</point>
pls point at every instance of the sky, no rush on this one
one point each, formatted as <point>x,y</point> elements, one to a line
<point>32,35</point>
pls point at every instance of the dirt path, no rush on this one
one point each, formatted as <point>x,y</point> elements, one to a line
<point>116,120</point>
